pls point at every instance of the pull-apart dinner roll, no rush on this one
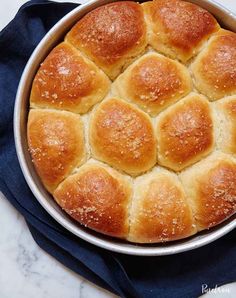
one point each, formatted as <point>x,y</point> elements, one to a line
<point>56,144</point>
<point>160,210</point>
<point>122,136</point>
<point>178,28</point>
<point>225,117</point>
<point>214,69</point>
<point>68,81</point>
<point>211,188</point>
<point>111,35</point>
<point>185,132</point>
<point>98,197</point>
<point>153,82</point>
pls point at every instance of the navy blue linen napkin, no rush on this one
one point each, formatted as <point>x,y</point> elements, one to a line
<point>179,275</point>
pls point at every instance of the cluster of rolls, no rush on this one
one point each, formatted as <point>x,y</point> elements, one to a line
<point>132,121</point>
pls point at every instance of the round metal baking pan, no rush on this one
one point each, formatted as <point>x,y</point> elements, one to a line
<point>53,37</point>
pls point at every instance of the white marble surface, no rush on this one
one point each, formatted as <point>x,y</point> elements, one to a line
<point>26,270</point>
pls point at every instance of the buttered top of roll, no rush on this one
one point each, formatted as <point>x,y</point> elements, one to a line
<point>160,211</point>
<point>122,136</point>
<point>98,197</point>
<point>153,82</point>
<point>185,132</point>
<point>111,35</point>
<point>68,81</point>
<point>178,28</point>
<point>56,143</point>
<point>214,69</point>
<point>211,187</point>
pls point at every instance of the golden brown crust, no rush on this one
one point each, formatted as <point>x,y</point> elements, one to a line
<point>68,81</point>
<point>211,185</point>
<point>185,132</point>
<point>160,211</point>
<point>97,197</point>
<point>178,28</point>
<point>214,69</point>
<point>153,82</point>
<point>56,143</point>
<point>123,136</point>
<point>111,35</point>
<point>226,124</point>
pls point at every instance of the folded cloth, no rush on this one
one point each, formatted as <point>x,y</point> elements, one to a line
<point>179,275</point>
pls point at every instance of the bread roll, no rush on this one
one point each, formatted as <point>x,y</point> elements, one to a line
<point>56,144</point>
<point>97,197</point>
<point>122,136</point>
<point>177,28</point>
<point>160,211</point>
<point>68,81</point>
<point>225,116</point>
<point>111,35</point>
<point>211,188</point>
<point>153,82</point>
<point>185,132</point>
<point>214,69</point>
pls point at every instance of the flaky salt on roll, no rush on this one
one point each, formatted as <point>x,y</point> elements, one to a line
<point>160,211</point>
<point>214,69</point>
<point>68,81</point>
<point>111,35</point>
<point>56,144</point>
<point>98,197</point>
<point>153,82</point>
<point>177,28</point>
<point>122,136</point>
<point>185,132</point>
<point>211,189</point>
